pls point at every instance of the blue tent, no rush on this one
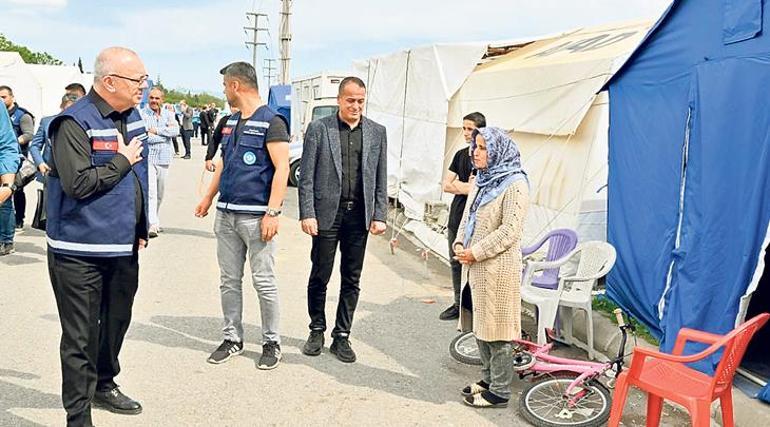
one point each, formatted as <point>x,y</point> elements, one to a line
<point>689,168</point>
<point>279,99</point>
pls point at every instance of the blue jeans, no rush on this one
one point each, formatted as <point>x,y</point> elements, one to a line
<point>7,221</point>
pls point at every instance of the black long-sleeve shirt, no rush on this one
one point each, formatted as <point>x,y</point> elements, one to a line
<point>72,160</point>
<point>351,146</point>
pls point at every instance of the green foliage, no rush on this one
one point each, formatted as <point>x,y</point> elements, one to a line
<point>27,55</point>
<point>173,96</point>
<point>604,305</point>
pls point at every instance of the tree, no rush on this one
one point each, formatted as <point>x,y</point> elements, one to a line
<point>27,55</point>
<point>173,96</point>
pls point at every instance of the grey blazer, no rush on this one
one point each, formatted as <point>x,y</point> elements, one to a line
<point>320,181</point>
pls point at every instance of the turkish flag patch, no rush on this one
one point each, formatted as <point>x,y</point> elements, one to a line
<point>105,145</point>
<point>227,130</point>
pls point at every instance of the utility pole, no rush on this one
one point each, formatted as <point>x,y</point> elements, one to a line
<point>255,29</point>
<point>285,39</point>
<point>269,70</point>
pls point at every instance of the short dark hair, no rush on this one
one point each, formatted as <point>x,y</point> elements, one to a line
<point>76,87</point>
<point>69,98</point>
<point>243,71</point>
<point>350,79</point>
<point>477,118</point>
<point>8,88</point>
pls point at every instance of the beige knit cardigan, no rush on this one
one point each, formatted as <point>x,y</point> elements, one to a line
<point>495,277</point>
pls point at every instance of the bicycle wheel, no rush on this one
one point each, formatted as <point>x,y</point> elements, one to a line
<point>464,349</point>
<point>543,403</point>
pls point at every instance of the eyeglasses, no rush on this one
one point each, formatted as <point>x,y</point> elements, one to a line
<point>140,80</point>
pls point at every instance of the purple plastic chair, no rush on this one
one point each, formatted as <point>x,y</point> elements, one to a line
<point>560,243</point>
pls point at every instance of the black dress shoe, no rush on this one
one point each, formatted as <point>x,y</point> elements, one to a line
<point>341,348</point>
<point>314,344</point>
<point>117,402</point>
<point>451,313</point>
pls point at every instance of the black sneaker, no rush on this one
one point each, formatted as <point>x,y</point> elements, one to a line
<point>225,351</point>
<point>314,344</point>
<point>271,355</point>
<point>341,348</point>
<point>451,313</point>
<point>20,225</point>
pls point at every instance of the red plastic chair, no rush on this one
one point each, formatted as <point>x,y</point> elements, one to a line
<point>665,376</point>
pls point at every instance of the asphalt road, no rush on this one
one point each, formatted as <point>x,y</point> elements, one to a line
<point>404,374</point>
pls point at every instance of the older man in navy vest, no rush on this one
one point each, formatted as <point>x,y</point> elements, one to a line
<point>97,222</point>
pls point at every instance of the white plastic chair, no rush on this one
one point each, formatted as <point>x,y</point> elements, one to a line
<point>596,260</point>
<point>574,291</point>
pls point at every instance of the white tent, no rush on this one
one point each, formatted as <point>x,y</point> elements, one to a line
<point>15,74</point>
<point>543,92</point>
<point>53,79</point>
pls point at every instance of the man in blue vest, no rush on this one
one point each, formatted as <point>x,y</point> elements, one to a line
<point>24,126</point>
<point>251,178</point>
<point>97,222</point>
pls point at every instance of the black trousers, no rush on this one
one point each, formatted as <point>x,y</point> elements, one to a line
<point>351,232</point>
<point>94,297</point>
<point>196,126</point>
<point>19,205</point>
<point>186,140</point>
<point>205,135</point>
<point>457,268</point>
<point>176,145</point>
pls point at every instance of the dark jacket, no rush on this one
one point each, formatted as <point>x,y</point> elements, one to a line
<point>320,183</point>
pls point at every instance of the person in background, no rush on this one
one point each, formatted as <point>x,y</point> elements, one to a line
<point>24,127</point>
<point>458,181</point>
<point>216,138</point>
<point>206,124</point>
<point>196,122</point>
<point>40,147</point>
<point>172,111</point>
<point>187,127</point>
<point>76,89</point>
<point>9,163</point>
<point>488,245</point>
<point>161,127</point>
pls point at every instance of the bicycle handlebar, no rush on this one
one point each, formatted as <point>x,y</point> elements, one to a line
<point>619,317</point>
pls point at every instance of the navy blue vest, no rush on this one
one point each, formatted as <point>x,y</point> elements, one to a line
<point>248,172</point>
<point>18,113</point>
<point>103,225</point>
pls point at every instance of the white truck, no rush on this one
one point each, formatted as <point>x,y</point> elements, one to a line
<point>312,97</point>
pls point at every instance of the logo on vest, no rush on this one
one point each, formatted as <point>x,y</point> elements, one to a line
<point>249,158</point>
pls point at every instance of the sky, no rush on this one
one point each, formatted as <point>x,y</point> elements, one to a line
<point>186,42</point>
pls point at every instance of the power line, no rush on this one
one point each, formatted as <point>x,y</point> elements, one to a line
<point>254,43</point>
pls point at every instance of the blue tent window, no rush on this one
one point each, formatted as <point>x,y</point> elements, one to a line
<point>742,20</point>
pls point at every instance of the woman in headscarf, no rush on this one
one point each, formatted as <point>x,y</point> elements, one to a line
<point>488,245</point>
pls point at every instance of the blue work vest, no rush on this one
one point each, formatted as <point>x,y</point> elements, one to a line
<point>18,113</point>
<point>247,176</point>
<point>102,225</point>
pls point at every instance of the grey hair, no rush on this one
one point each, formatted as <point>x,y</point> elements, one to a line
<point>243,72</point>
<point>105,60</point>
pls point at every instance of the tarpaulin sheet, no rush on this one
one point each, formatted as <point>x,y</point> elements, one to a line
<point>689,179</point>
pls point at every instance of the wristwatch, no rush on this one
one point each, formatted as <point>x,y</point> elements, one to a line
<point>272,212</point>
<point>11,186</point>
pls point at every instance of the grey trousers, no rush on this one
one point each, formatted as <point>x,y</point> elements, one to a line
<point>238,235</point>
<point>157,175</point>
<point>497,366</point>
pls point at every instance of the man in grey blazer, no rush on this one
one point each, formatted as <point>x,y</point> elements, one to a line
<point>342,198</point>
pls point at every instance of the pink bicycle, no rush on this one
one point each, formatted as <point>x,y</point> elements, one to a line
<point>566,392</point>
